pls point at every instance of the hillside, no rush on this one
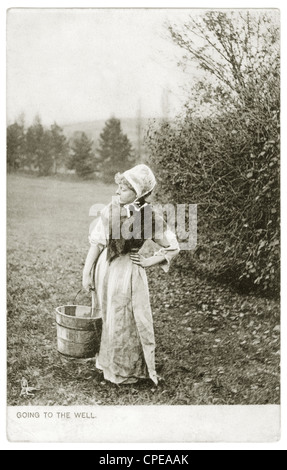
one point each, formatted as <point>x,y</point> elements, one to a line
<point>94,128</point>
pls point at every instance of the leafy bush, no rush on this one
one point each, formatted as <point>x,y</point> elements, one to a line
<point>224,155</point>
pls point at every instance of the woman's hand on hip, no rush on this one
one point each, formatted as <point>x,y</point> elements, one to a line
<point>139,260</point>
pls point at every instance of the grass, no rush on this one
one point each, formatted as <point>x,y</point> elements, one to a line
<point>214,346</point>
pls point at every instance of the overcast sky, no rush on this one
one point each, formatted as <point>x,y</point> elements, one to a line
<point>73,65</point>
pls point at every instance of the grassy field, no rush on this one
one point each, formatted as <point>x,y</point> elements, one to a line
<point>214,346</point>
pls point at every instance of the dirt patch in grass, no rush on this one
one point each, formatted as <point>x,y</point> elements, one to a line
<point>214,346</point>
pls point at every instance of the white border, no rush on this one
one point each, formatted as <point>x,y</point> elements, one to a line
<point>144,424</point>
<point>4,444</point>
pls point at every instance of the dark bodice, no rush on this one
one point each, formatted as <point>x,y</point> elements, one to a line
<point>137,224</point>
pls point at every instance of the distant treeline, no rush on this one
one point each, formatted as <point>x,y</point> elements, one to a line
<point>47,151</point>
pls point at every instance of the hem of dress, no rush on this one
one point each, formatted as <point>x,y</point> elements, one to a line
<point>120,380</point>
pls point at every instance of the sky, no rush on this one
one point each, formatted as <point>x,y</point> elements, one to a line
<point>75,65</point>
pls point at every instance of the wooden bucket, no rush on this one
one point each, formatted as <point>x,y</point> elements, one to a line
<point>79,330</point>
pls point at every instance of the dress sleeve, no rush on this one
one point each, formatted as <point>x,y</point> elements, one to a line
<point>170,248</point>
<point>98,235</point>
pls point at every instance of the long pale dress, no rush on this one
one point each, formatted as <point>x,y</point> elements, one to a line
<point>127,351</point>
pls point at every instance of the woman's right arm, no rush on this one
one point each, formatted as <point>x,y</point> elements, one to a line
<point>92,256</point>
<point>98,241</point>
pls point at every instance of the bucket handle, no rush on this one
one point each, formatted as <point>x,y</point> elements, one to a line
<point>93,291</point>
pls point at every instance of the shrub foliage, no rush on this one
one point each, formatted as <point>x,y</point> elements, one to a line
<point>223,153</point>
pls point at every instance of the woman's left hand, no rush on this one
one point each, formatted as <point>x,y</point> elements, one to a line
<point>139,260</point>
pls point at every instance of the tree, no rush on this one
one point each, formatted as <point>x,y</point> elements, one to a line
<point>45,154</point>
<point>39,148</point>
<point>82,158</point>
<point>115,150</point>
<point>15,146</point>
<point>224,153</point>
<point>236,49</point>
<point>139,131</point>
<point>34,138</point>
<point>59,146</point>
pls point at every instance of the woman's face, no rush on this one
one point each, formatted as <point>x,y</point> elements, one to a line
<point>127,196</point>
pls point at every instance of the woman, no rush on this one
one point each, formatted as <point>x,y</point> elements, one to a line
<point>127,351</point>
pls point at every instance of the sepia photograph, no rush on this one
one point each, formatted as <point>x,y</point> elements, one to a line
<point>143,220</point>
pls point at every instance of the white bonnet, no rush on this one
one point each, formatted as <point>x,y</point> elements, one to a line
<point>141,178</point>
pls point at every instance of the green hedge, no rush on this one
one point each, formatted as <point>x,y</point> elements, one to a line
<point>229,165</point>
